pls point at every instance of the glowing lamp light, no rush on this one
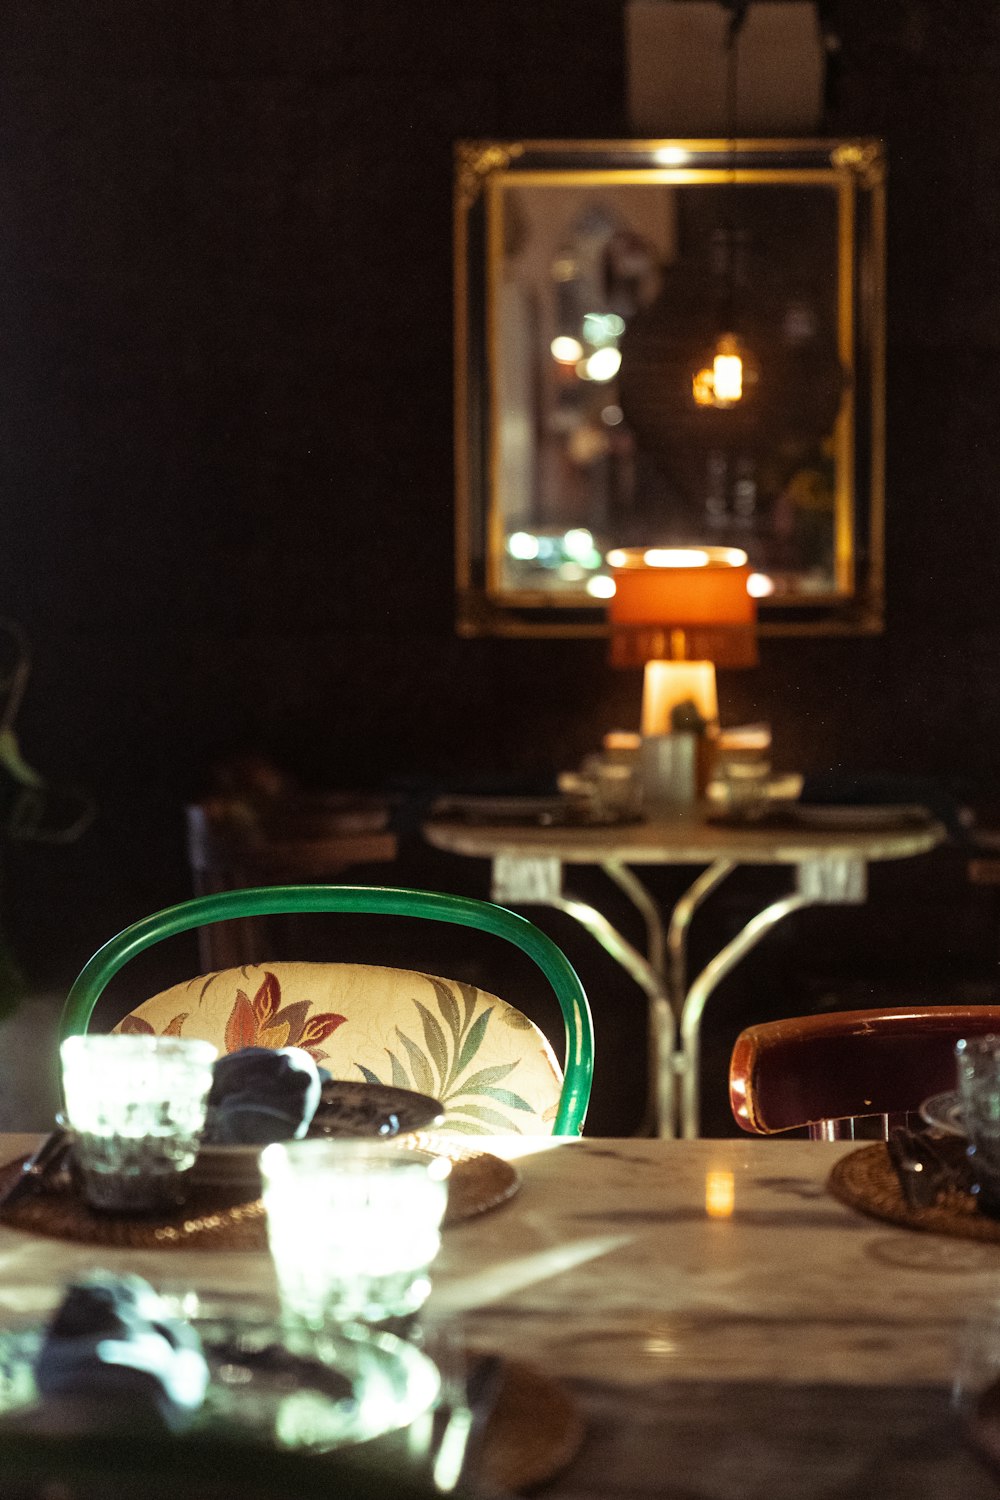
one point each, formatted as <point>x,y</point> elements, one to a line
<point>604,364</point>
<point>759,586</point>
<point>523,546</point>
<point>671,156</point>
<point>566,350</point>
<point>723,385</point>
<point>679,612</point>
<point>727,377</point>
<point>675,557</point>
<point>578,543</point>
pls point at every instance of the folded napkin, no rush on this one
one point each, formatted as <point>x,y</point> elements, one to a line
<point>263,1094</point>
<point>112,1344</point>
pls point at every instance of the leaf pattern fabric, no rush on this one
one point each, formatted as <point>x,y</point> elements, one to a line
<point>490,1066</point>
<point>260,1022</point>
<point>441,1067</point>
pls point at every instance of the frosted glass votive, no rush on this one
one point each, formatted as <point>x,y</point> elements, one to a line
<point>353,1227</point>
<point>978,1063</point>
<point>136,1106</point>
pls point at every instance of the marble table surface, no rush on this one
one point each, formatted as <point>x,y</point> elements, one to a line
<point>729,1330</point>
<point>690,839</point>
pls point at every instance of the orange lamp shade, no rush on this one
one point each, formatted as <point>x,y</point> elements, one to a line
<point>677,604</point>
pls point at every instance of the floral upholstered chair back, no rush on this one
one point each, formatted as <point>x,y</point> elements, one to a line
<point>489,1065</point>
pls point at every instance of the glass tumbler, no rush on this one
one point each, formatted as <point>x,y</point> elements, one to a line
<point>978,1060</point>
<point>136,1106</point>
<point>353,1227</point>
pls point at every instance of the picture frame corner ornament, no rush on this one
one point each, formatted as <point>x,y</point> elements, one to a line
<point>477,160</point>
<point>865,158</point>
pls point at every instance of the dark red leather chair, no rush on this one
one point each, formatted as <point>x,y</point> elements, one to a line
<point>823,1072</point>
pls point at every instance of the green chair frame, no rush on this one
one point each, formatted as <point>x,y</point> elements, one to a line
<point>266,901</point>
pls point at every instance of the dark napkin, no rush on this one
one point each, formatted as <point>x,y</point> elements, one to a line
<point>262,1094</point>
<point>113,1346</point>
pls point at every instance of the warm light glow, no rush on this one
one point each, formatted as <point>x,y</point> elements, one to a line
<point>601,587</point>
<point>722,385</point>
<point>578,543</point>
<point>745,737</point>
<point>727,373</point>
<point>603,364</point>
<point>621,739</point>
<point>566,350</point>
<point>681,604</point>
<point>523,546</point>
<point>720,1194</point>
<point>668,684</point>
<point>671,156</point>
<point>759,586</point>
<point>703,388</point>
<point>660,1348</point>
<point>675,557</point>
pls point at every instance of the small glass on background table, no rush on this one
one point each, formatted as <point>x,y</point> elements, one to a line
<point>136,1106</point>
<point>353,1228</point>
<point>978,1060</point>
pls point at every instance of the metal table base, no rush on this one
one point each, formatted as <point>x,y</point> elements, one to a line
<point>676,1008</point>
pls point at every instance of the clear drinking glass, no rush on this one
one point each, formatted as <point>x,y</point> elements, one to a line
<point>978,1060</point>
<point>136,1105</point>
<point>353,1227</point>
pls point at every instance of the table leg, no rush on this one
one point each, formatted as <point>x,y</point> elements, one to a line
<point>680,922</point>
<point>539,882</point>
<point>818,882</point>
<point>662,1100</point>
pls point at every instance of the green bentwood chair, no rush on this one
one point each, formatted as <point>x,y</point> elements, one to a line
<point>394,1026</point>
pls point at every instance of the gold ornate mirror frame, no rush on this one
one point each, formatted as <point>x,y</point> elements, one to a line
<point>596,285</point>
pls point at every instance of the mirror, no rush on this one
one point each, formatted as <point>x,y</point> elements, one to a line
<point>662,343</point>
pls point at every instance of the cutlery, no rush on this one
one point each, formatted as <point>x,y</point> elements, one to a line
<point>40,1165</point>
<point>470,1386</point>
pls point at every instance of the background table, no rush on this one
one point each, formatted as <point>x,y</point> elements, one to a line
<point>528,866</point>
<point>728,1329</point>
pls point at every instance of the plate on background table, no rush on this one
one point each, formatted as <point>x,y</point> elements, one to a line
<point>348,1111</point>
<point>527,812</point>
<point>944,1112</point>
<point>837,817</point>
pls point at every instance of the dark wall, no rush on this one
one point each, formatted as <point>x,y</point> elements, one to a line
<point>226,410</point>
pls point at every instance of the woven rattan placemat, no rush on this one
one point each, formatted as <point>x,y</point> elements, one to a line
<point>215,1219</point>
<point>866,1179</point>
<point>533,1431</point>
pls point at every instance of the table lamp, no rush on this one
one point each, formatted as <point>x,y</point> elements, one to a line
<point>679,612</point>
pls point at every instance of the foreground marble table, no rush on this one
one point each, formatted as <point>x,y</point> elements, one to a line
<point>730,1331</point>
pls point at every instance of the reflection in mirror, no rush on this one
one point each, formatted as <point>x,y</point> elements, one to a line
<point>662,344</point>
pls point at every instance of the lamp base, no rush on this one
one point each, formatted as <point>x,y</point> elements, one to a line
<point>668,770</point>
<point>669,685</point>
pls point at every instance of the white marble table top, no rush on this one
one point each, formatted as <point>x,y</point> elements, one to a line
<point>731,1332</point>
<point>685,839</point>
